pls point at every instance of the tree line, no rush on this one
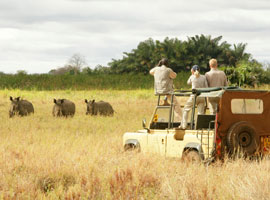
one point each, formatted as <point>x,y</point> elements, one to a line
<point>239,66</point>
<point>181,54</point>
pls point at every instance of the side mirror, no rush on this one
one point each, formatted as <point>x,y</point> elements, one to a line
<point>144,125</point>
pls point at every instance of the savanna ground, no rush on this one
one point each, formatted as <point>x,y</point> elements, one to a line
<point>42,157</point>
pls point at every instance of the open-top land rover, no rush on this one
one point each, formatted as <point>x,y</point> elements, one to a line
<point>241,125</point>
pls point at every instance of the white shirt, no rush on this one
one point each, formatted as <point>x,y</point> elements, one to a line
<point>197,82</point>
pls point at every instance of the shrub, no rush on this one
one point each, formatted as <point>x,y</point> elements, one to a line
<point>247,73</point>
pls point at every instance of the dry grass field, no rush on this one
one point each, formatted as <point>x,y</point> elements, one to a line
<point>43,157</point>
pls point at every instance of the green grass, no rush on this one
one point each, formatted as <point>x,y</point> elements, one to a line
<point>84,82</point>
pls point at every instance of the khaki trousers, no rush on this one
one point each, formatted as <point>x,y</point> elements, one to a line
<point>200,102</point>
<point>177,108</point>
<point>213,104</point>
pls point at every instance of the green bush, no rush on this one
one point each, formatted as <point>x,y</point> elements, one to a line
<point>247,73</point>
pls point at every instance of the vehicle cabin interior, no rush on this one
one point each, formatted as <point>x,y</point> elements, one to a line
<point>202,122</point>
<point>163,125</point>
<point>164,115</point>
<point>161,120</point>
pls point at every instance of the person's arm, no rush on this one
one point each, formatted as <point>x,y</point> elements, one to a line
<point>205,83</point>
<point>152,71</point>
<point>172,74</point>
<point>207,79</point>
<point>189,82</point>
<point>225,80</point>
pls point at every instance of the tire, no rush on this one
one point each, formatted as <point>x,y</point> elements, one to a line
<point>242,139</point>
<point>192,156</point>
<point>131,147</point>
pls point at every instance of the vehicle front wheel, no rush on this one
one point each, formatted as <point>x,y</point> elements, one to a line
<point>192,156</point>
<point>131,147</point>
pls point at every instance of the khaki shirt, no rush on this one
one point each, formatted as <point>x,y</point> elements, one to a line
<point>216,78</point>
<point>163,79</point>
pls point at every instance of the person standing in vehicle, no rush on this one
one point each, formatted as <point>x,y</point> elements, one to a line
<point>163,77</point>
<point>215,78</point>
<point>197,81</point>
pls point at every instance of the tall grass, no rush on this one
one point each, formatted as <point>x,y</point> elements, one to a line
<point>83,81</point>
<point>42,157</point>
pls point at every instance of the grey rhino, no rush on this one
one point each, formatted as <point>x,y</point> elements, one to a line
<point>20,107</point>
<point>101,107</point>
<point>63,107</point>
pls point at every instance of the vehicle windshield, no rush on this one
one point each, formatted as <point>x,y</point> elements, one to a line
<point>162,115</point>
<point>161,119</point>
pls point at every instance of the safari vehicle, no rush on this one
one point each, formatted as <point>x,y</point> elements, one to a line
<point>241,125</point>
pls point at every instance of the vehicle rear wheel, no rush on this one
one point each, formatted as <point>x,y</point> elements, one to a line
<point>242,139</point>
<point>191,156</point>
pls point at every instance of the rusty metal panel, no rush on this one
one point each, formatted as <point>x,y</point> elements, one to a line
<point>261,121</point>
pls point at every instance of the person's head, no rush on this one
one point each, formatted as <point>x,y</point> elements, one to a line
<point>195,70</point>
<point>213,63</point>
<point>164,61</point>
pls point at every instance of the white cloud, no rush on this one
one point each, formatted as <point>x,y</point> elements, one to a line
<point>37,36</point>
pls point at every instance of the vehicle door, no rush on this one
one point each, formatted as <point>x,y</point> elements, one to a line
<point>157,137</point>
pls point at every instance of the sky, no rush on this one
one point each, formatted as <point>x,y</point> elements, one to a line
<point>40,35</point>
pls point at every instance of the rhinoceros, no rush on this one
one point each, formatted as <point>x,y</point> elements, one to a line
<point>20,107</point>
<point>101,108</point>
<point>63,107</point>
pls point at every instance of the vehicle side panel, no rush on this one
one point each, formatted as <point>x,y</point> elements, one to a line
<point>141,137</point>
<point>157,140</point>
<point>175,148</point>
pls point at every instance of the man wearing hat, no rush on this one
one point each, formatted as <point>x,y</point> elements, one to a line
<point>197,81</point>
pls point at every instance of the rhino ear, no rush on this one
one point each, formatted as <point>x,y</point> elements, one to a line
<point>62,101</point>
<point>93,101</point>
<point>85,101</point>
<point>54,101</point>
<point>11,99</point>
<point>18,98</point>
